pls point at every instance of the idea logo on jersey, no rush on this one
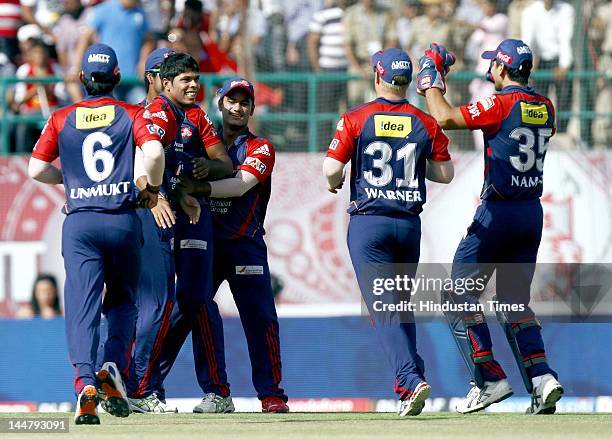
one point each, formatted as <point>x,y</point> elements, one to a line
<point>534,114</point>
<point>392,126</point>
<point>89,118</point>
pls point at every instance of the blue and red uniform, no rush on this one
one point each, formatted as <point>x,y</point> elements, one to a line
<point>388,144</point>
<point>195,310</point>
<point>505,234</point>
<point>240,257</point>
<point>102,235</point>
<point>156,288</point>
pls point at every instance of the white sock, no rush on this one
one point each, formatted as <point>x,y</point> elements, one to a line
<point>538,380</point>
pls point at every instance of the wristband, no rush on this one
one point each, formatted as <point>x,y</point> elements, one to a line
<point>153,189</point>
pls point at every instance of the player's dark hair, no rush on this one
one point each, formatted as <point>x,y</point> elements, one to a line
<point>34,302</point>
<point>97,87</point>
<point>521,74</point>
<point>176,64</point>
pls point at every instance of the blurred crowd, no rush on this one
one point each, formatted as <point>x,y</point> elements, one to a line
<point>40,38</point>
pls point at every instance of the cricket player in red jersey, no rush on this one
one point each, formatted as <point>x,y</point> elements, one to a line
<point>238,206</point>
<point>505,234</point>
<point>393,147</point>
<point>95,140</point>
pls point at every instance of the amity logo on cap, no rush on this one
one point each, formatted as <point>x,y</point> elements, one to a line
<point>98,57</point>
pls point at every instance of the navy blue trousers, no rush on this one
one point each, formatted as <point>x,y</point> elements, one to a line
<point>504,237</point>
<point>243,262</point>
<point>377,244</point>
<point>98,249</point>
<point>195,310</point>
<point>156,297</point>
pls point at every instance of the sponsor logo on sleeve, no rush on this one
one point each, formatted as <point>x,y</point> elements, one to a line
<point>473,110</point>
<point>249,269</point>
<point>88,118</point>
<point>534,114</point>
<point>340,125</point>
<point>392,126</point>
<point>487,103</point>
<point>334,144</point>
<point>263,149</point>
<point>255,163</point>
<point>154,129</point>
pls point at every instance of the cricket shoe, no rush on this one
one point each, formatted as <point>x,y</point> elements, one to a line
<point>151,404</point>
<point>479,398</point>
<point>546,392</point>
<point>414,405</point>
<point>273,404</point>
<point>213,403</point>
<point>111,384</point>
<point>86,412</point>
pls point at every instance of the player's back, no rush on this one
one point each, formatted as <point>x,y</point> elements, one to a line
<point>516,140</point>
<point>96,148</point>
<point>391,142</point>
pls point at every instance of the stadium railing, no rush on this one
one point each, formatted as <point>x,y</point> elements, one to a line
<point>309,117</point>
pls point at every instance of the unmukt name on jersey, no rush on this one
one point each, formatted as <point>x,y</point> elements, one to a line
<point>392,126</point>
<point>101,190</point>
<point>393,195</point>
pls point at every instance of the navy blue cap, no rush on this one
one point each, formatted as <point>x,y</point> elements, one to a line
<point>511,53</point>
<point>157,57</point>
<point>393,63</point>
<point>236,83</point>
<point>102,60</point>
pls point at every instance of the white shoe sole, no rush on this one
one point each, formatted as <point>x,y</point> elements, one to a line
<point>484,405</point>
<point>417,401</point>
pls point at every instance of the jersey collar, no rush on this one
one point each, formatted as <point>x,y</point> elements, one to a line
<point>515,88</point>
<point>389,101</point>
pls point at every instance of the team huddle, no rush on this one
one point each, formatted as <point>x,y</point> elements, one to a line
<point>162,207</point>
<point>152,243</point>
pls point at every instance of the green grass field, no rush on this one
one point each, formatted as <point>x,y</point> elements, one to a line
<point>337,425</point>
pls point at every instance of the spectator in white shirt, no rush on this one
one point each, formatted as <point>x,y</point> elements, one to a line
<point>547,26</point>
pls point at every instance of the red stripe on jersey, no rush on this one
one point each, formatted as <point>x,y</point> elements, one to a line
<point>245,225</point>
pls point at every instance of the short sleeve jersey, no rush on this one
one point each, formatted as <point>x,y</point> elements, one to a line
<point>95,140</point>
<point>244,216</point>
<point>165,118</point>
<point>517,124</point>
<point>388,144</point>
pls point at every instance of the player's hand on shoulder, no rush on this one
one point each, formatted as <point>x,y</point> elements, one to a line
<point>191,207</point>
<point>434,65</point>
<point>163,214</point>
